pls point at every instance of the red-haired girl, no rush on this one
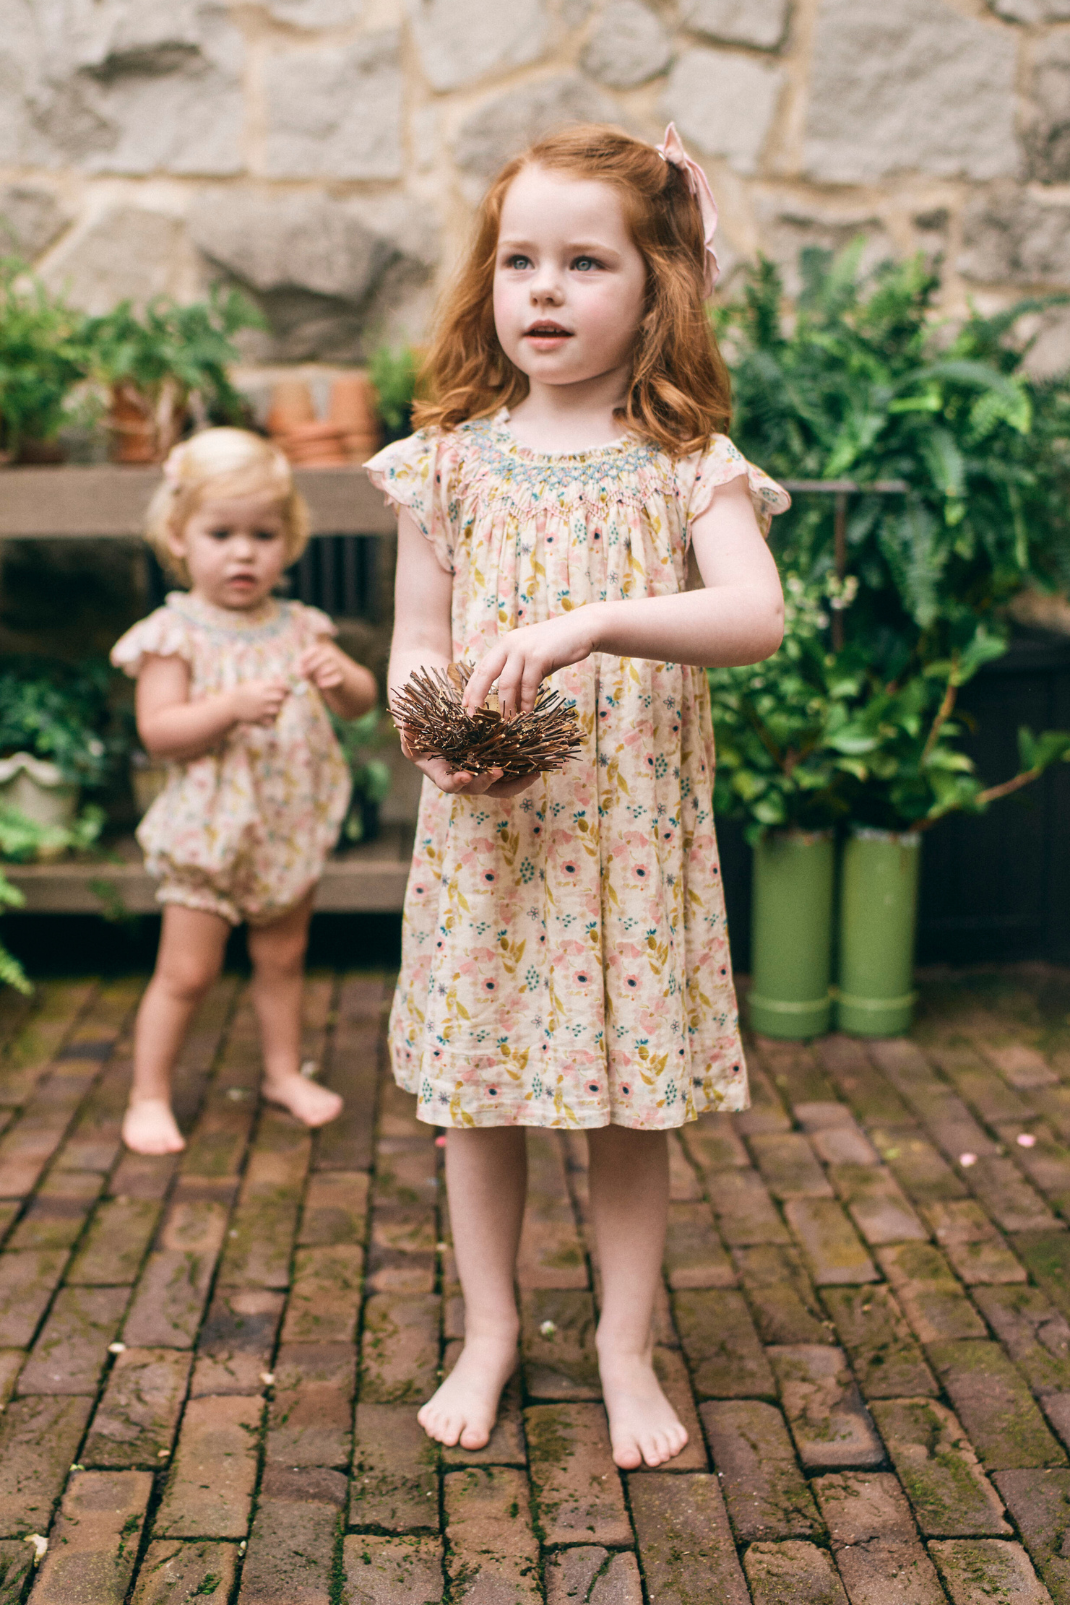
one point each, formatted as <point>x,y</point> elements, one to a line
<point>565,959</point>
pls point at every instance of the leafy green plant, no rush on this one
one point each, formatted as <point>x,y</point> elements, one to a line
<point>11,971</point>
<point>360,739</point>
<point>394,374</point>
<point>867,383</point>
<point>813,737</point>
<point>43,357</point>
<point>189,347</point>
<point>22,840</point>
<point>59,712</point>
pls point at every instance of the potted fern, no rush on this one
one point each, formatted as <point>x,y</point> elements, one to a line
<point>155,363</point>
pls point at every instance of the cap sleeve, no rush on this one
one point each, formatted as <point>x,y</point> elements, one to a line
<point>699,475</point>
<point>416,474</point>
<point>164,634</point>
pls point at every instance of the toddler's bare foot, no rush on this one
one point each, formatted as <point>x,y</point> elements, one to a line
<point>149,1127</point>
<point>643,1426</point>
<point>465,1407</point>
<point>307,1102</point>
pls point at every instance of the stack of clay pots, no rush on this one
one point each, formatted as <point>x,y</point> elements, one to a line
<point>350,433</point>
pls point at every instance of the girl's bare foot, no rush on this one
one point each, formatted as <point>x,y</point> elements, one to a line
<point>307,1102</point>
<point>149,1127</point>
<point>644,1429</point>
<point>465,1407</point>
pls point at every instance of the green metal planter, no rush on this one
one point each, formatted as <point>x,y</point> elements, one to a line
<point>878,914</point>
<point>791,934</point>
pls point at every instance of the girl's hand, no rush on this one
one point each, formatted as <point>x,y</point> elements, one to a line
<point>324,664</point>
<point>258,701</point>
<point>458,782</point>
<point>522,659</point>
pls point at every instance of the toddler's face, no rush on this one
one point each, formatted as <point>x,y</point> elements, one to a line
<point>234,549</point>
<point>569,282</point>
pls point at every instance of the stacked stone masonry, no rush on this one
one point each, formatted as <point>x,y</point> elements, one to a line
<point>210,1364</point>
<point>326,155</point>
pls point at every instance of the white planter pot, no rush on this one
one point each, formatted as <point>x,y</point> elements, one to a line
<point>37,789</point>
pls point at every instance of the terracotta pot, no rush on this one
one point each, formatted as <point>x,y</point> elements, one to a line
<point>291,405</point>
<point>353,406</point>
<point>144,429</point>
<point>315,445</point>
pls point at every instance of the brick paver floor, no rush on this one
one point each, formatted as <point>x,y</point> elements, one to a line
<point>209,1365</point>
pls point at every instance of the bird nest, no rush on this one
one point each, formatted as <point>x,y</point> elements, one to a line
<point>428,709</point>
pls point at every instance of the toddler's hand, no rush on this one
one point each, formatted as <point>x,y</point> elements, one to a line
<point>322,664</point>
<point>259,701</point>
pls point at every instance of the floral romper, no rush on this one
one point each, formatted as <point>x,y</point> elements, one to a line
<point>565,958</point>
<point>243,831</point>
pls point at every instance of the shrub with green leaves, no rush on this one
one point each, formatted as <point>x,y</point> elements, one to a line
<point>43,357</point>
<point>867,383</point>
<point>813,737</point>
<point>394,375</point>
<point>360,739</point>
<point>59,712</point>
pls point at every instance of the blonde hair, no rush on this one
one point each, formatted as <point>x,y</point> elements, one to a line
<point>679,392</point>
<point>220,463</point>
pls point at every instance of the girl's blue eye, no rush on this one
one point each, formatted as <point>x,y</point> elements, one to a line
<point>518,262</point>
<point>584,263</point>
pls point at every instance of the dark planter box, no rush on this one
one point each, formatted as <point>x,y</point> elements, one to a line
<point>995,887</point>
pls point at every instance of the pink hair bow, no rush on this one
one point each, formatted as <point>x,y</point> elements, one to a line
<point>671,148</point>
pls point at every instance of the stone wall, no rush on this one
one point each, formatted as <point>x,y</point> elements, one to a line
<point>326,154</point>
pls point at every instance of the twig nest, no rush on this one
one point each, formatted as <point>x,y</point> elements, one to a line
<point>428,709</point>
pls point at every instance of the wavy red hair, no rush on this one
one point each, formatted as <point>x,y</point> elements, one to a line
<point>679,393</point>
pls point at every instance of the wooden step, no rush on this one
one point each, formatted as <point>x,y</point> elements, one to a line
<point>367,879</point>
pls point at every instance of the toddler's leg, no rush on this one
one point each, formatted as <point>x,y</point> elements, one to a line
<point>486,1175</point>
<point>277,952</point>
<point>629,1191</point>
<point>192,942</point>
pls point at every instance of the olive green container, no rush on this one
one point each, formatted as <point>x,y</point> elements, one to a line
<point>791,934</point>
<point>878,910</point>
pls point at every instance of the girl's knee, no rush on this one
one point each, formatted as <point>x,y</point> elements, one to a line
<point>281,959</point>
<point>186,977</point>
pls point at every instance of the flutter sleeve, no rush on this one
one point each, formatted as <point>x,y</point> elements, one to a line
<point>699,475</point>
<point>416,474</point>
<point>164,634</point>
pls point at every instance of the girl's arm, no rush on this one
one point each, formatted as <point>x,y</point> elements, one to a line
<point>171,726</point>
<point>738,618</point>
<point>346,687</point>
<point>423,639</point>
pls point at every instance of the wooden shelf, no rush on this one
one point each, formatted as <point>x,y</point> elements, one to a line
<point>366,879</point>
<point>82,503</point>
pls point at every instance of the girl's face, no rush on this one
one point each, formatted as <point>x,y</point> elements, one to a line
<point>234,549</point>
<point>569,281</point>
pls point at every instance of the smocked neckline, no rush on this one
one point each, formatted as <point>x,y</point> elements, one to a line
<point>240,620</point>
<point>501,424</point>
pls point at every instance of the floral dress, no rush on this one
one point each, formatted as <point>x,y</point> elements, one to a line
<point>565,958</point>
<point>244,830</point>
